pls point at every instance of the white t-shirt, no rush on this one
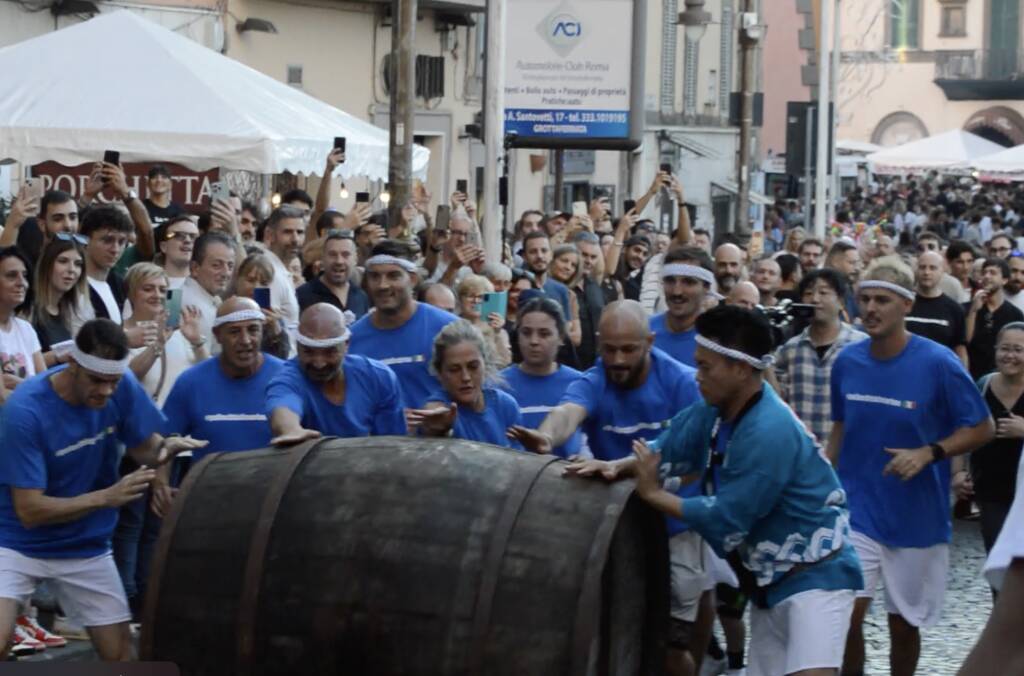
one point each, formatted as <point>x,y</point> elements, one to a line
<point>107,296</point>
<point>17,346</point>
<point>282,292</point>
<point>179,355</point>
<point>1017,300</point>
<point>1010,543</point>
<point>193,294</point>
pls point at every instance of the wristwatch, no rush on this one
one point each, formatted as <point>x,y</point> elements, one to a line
<point>938,453</point>
<point>130,197</point>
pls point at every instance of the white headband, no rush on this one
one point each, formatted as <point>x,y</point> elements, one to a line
<point>239,316</point>
<point>323,342</point>
<point>888,286</point>
<point>107,367</point>
<point>328,342</point>
<point>685,270</point>
<point>760,364</point>
<point>383,259</point>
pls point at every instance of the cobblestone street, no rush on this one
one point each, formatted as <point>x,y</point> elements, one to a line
<point>968,604</point>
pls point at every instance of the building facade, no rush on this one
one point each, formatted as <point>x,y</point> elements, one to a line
<point>928,66</point>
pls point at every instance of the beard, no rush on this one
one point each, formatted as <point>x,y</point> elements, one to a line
<point>1012,288</point>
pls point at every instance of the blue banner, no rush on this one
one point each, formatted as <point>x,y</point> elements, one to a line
<point>577,124</point>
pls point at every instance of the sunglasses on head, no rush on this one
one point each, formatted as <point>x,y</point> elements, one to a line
<point>337,233</point>
<point>72,237</point>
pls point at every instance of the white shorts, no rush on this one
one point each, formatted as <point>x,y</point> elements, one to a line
<point>805,631</point>
<point>914,578</point>
<point>686,558</point>
<point>719,571</point>
<point>89,590</point>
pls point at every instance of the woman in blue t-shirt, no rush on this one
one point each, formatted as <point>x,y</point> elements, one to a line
<point>467,406</point>
<point>539,381</point>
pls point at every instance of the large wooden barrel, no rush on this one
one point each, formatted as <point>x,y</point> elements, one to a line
<point>389,555</point>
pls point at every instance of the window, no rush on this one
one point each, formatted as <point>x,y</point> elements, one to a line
<point>954,21</point>
<point>904,24</point>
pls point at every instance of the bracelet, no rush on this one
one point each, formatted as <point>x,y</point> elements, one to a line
<point>616,243</point>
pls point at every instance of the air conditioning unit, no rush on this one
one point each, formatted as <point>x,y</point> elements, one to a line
<point>429,76</point>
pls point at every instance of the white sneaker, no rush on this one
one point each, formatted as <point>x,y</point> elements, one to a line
<point>709,666</point>
<point>68,629</point>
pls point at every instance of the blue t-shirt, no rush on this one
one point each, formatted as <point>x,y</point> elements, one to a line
<point>500,412</point>
<point>227,412</point>
<point>537,395</point>
<point>372,406</point>
<point>679,346</point>
<point>67,451</point>
<point>914,399</point>
<point>405,350</point>
<point>615,416</point>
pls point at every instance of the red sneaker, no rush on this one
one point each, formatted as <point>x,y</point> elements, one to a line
<point>36,631</point>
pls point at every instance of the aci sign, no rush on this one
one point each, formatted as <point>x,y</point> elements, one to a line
<point>562,31</point>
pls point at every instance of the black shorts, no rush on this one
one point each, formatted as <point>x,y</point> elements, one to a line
<point>680,632</point>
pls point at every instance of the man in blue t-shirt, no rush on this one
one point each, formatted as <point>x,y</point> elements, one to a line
<point>400,331</point>
<point>221,400</point>
<point>687,277</point>
<point>632,393</point>
<point>60,488</point>
<point>773,509</point>
<point>326,391</point>
<point>901,405</point>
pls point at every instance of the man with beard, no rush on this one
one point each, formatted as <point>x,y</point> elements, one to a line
<point>935,315</point>
<point>845,259</point>
<point>537,256</point>
<point>1015,285</point>
<point>686,279</point>
<point>631,393</point>
<point>332,286</point>
<point>767,279</point>
<point>810,252</point>
<point>589,297</point>
<point>960,256</point>
<point>901,405</point>
<point>989,312</point>
<point>400,332</point>
<point>221,400</point>
<point>326,391</point>
<point>728,267</point>
<point>636,251</point>
<point>285,235</point>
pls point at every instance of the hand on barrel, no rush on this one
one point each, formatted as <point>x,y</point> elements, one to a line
<point>435,422</point>
<point>172,446</point>
<point>294,437</point>
<point>131,487</point>
<point>648,481</point>
<point>531,440</point>
<point>590,467</point>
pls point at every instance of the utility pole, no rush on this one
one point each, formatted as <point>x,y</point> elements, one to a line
<point>808,166</point>
<point>748,38</point>
<point>403,101</point>
<point>835,188</point>
<point>824,128</point>
<point>559,178</point>
<point>494,128</point>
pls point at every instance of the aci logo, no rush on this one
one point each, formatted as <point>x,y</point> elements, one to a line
<point>562,30</point>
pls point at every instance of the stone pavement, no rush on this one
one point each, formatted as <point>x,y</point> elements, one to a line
<point>968,604</point>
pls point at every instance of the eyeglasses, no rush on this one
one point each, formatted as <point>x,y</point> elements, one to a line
<point>182,235</point>
<point>72,237</point>
<point>337,233</point>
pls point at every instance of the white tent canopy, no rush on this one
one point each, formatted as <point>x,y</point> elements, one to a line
<point>120,82</point>
<point>954,150</point>
<point>1008,164</point>
<point>856,147</point>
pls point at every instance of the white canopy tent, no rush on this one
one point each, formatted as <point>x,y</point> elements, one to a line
<point>952,152</point>
<point>121,82</point>
<point>850,147</point>
<point>1007,165</point>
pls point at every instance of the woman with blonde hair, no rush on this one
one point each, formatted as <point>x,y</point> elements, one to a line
<point>257,272</point>
<point>794,238</point>
<point>470,295</point>
<point>468,404</point>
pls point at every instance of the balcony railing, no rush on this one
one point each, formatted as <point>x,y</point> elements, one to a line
<point>980,64</point>
<point>980,74</point>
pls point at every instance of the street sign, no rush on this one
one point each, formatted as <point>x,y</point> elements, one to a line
<point>574,74</point>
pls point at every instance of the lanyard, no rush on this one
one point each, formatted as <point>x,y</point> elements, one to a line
<point>715,457</point>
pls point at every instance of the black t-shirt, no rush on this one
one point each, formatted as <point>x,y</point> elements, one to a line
<point>50,331</point>
<point>160,215</point>
<point>994,465</point>
<point>982,348</point>
<point>940,319</point>
<point>30,240</point>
